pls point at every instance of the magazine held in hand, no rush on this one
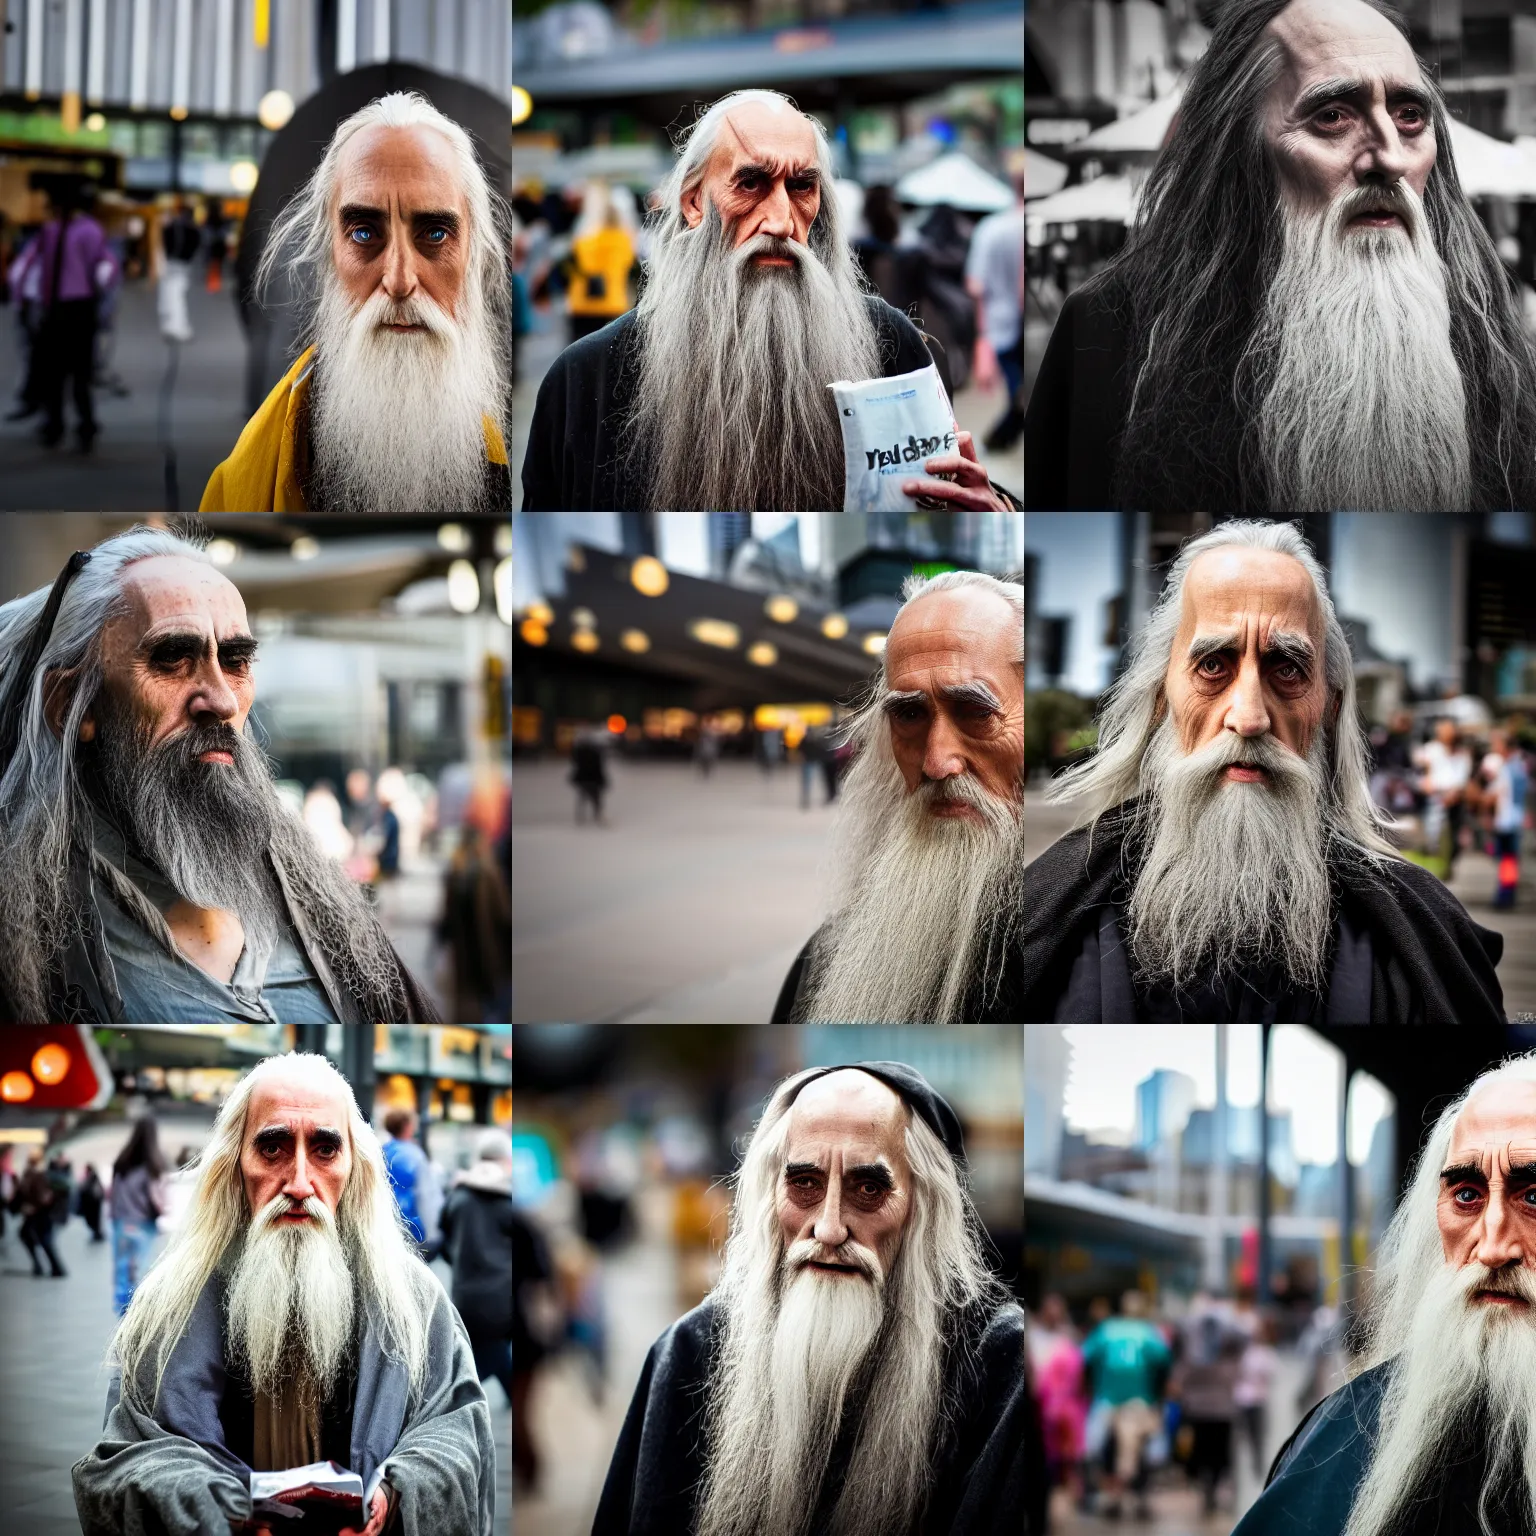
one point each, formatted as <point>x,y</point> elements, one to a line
<point>891,427</point>
<point>320,1497</point>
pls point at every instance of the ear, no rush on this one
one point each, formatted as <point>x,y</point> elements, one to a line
<point>692,203</point>
<point>58,695</point>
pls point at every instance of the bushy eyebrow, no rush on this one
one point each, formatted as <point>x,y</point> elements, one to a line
<point>857,1173</point>
<point>322,1135</point>
<point>1283,642</point>
<point>351,213</point>
<point>974,693</point>
<point>1356,91</point>
<point>185,644</point>
<point>775,170</point>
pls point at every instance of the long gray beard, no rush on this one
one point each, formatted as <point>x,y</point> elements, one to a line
<point>1365,407</point>
<point>731,404</point>
<point>290,1301</point>
<point>1232,873</point>
<point>795,1356</point>
<point>927,904</point>
<point>1459,1357</point>
<point>398,418</point>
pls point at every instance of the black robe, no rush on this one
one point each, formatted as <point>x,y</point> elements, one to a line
<point>1429,962</point>
<point>1317,1475</point>
<point>573,462</point>
<point>658,1464</point>
<point>1002,1003</point>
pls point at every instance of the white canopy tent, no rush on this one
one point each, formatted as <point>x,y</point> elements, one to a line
<point>1141,133</point>
<point>1042,175</point>
<point>956,180</point>
<point>1107,199</point>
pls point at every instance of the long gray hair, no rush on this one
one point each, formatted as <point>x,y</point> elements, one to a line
<point>46,809</point>
<point>939,1271</point>
<point>1130,712</point>
<point>731,358</point>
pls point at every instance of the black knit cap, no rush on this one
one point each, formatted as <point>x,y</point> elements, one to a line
<point>915,1089</point>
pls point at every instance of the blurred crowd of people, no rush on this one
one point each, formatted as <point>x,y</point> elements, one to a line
<point>1461,785</point>
<point>1152,1396</point>
<point>63,275</point>
<point>583,248</point>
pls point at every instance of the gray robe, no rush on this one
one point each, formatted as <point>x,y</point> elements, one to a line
<point>174,1474</point>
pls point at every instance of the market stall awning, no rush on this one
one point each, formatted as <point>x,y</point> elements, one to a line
<point>1042,175</point>
<point>958,182</point>
<point>1143,132</point>
<point>1107,199</point>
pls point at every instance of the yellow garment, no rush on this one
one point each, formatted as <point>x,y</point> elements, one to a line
<point>261,475</point>
<point>608,254</point>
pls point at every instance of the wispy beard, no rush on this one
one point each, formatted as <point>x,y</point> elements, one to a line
<point>290,1301</point>
<point>1232,873</point>
<point>926,904</point>
<point>1465,1365</point>
<point>731,405</point>
<point>397,418</point>
<point>1365,407</point>
<point>798,1354</point>
<point>206,827</point>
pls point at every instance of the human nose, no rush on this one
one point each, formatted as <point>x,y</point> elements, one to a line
<point>215,694</point>
<point>775,216</point>
<point>1498,1238</point>
<point>1247,714</point>
<point>299,1185</point>
<point>943,758</point>
<point>829,1230</point>
<point>1383,153</point>
<point>399,267</point>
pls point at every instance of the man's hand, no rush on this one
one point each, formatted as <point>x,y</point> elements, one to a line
<point>376,1519</point>
<point>972,489</point>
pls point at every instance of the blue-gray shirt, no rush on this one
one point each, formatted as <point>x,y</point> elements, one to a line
<point>274,983</point>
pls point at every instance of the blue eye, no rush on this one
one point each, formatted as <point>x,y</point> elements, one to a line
<point>360,235</point>
<point>437,236</point>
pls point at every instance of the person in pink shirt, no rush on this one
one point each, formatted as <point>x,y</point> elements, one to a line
<point>1057,1361</point>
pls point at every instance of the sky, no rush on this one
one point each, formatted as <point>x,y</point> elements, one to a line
<point>1108,1061</point>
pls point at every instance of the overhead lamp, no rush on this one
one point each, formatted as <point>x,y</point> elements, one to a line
<point>762,654</point>
<point>454,537</point>
<point>636,641</point>
<point>583,618</point>
<point>243,177</point>
<point>584,641</point>
<point>179,114</point>
<point>223,551</point>
<point>95,122</point>
<point>834,626</point>
<point>649,576</point>
<point>304,547</point>
<point>716,632</point>
<point>782,609</point>
<point>463,587</point>
<point>522,105</point>
<point>874,645</point>
<point>533,632</point>
<point>501,584</point>
<point>540,612</point>
<point>274,109</point>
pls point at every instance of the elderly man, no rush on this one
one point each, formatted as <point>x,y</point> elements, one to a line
<point>1436,1433</point>
<point>398,401</point>
<point>712,393</point>
<point>858,1371</point>
<point>289,1322</point>
<point>926,855</point>
<point>1229,864</point>
<point>1308,314</point>
<point>151,872</point>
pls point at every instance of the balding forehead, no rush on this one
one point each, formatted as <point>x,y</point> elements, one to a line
<point>849,1088</point>
<point>1501,1114</point>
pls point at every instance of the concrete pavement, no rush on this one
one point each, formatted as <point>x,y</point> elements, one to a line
<point>53,1339</point>
<point>1473,887</point>
<point>688,907</point>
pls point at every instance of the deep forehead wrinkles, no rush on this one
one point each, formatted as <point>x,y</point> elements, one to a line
<point>399,170</point>
<point>1498,1127</point>
<point>1345,38</point>
<point>1253,597</point>
<point>169,593</point>
<point>783,142</point>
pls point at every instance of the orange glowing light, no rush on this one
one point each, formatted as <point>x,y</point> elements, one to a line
<point>533,632</point>
<point>616,724</point>
<point>16,1087</point>
<point>50,1064</point>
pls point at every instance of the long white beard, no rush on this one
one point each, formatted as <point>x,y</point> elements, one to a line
<point>1365,407</point>
<point>792,1355</point>
<point>1459,1356</point>
<point>1232,872</point>
<point>290,1300</point>
<point>731,405</point>
<point>925,901</point>
<point>398,417</point>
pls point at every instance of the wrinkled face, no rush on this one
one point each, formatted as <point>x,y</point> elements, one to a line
<point>956,702</point>
<point>845,1176</point>
<point>1349,107</point>
<point>1487,1204</point>
<point>182,654</point>
<point>400,223</point>
<point>762,177</point>
<point>295,1144</point>
<point>1248,656</point>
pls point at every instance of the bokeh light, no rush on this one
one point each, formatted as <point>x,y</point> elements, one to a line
<point>463,587</point>
<point>834,626</point>
<point>584,641</point>
<point>16,1087</point>
<point>649,576</point>
<point>636,641</point>
<point>716,632</point>
<point>533,632</point>
<point>274,109</point>
<point>874,645</point>
<point>762,654</point>
<point>50,1063</point>
<point>781,609</point>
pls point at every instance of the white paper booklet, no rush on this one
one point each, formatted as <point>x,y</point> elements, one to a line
<point>320,1489</point>
<point>891,427</point>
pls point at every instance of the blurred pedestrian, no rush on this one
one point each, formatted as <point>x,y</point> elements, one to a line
<point>602,257</point>
<point>1210,1355</point>
<point>477,1244</point>
<point>531,1266</point>
<point>813,755</point>
<point>61,1177</point>
<point>1255,1381</point>
<point>412,1181</point>
<point>389,825</point>
<point>706,750</point>
<point>7,1184</point>
<point>1057,1361</point>
<point>1127,1360</point>
<point>477,927</point>
<point>1505,773</point>
<point>770,749</point>
<point>25,277</point>
<point>91,1197</point>
<point>216,236</point>
<point>588,775</point>
<point>36,1198</point>
<point>994,276</point>
<point>1447,769</point>
<point>137,1202</point>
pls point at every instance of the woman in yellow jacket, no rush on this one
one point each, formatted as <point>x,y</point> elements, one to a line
<point>602,255</point>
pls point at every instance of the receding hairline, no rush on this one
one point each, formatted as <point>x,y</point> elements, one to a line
<point>366,139</point>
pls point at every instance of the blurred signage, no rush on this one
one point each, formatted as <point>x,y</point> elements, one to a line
<point>52,1066</point>
<point>1057,130</point>
<point>48,128</point>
